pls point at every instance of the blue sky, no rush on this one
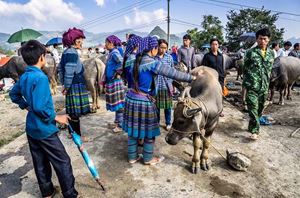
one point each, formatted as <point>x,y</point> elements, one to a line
<point>141,15</point>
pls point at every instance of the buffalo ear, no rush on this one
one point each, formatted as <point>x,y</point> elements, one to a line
<point>192,112</point>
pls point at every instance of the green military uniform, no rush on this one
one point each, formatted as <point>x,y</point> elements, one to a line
<point>257,70</point>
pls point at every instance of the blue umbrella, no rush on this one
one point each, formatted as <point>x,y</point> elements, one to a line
<point>205,46</point>
<point>56,40</point>
<point>77,140</point>
<point>248,37</point>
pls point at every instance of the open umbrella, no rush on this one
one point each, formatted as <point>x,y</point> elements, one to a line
<point>77,140</point>
<point>248,37</point>
<point>205,46</point>
<point>24,35</point>
<point>56,40</point>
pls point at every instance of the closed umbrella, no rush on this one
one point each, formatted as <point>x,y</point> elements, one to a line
<point>24,35</point>
<point>77,140</point>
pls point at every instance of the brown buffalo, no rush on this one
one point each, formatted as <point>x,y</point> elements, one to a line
<point>197,114</point>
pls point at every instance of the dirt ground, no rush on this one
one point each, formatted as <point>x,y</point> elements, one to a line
<point>275,169</point>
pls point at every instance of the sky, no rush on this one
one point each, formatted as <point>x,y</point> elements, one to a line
<point>143,15</point>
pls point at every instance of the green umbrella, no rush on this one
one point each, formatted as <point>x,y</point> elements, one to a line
<point>24,35</point>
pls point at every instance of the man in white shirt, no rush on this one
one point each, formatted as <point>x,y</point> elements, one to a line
<point>55,54</point>
<point>276,49</point>
<point>286,49</point>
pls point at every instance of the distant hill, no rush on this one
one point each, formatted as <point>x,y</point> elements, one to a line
<point>92,39</point>
<point>163,35</point>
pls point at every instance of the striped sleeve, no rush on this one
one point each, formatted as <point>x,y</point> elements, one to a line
<point>170,72</point>
<point>70,67</point>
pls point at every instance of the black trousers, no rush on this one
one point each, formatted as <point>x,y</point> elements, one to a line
<point>51,151</point>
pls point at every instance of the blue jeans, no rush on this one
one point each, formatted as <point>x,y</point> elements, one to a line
<point>51,151</point>
<point>168,113</point>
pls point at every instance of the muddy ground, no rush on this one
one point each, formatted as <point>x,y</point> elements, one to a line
<point>275,169</point>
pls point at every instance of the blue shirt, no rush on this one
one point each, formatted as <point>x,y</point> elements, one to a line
<point>150,68</point>
<point>113,65</point>
<point>32,91</point>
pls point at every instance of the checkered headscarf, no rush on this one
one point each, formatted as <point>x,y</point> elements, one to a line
<point>148,43</point>
<point>133,42</point>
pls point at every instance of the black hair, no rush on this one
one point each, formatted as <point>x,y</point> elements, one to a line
<point>160,41</point>
<point>31,51</point>
<point>137,63</point>
<point>214,39</point>
<point>287,43</point>
<point>274,45</point>
<point>131,35</point>
<point>296,45</point>
<point>263,32</point>
<point>187,36</point>
<point>55,45</point>
<point>89,48</point>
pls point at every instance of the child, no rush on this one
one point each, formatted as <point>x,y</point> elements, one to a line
<point>114,87</point>
<point>32,92</point>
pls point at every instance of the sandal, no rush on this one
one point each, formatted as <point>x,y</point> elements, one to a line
<point>140,156</point>
<point>117,129</point>
<point>155,160</point>
<point>253,136</point>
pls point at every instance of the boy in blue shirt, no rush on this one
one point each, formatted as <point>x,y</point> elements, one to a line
<point>32,92</point>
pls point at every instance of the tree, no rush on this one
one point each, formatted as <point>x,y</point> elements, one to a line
<point>250,20</point>
<point>212,28</point>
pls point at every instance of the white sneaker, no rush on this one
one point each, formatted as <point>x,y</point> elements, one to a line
<point>168,127</point>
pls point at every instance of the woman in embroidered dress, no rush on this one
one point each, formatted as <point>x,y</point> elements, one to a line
<point>71,76</point>
<point>114,88</point>
<point>140,113</point>
<point>164,84</point>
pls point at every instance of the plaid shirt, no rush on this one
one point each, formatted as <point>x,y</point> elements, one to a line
<point>164,83</point>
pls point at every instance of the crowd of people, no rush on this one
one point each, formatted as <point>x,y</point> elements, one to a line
<point>138,84</point>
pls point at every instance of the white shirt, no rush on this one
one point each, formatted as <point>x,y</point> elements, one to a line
<point>56,56</point>
<point>284,52</point>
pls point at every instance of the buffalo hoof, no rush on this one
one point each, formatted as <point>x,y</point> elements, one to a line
<point>289,98</point>
<point>195,170</point>
<point>205,167</point>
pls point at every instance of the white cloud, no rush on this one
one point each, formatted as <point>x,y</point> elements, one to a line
<point>100,2</point>
<point>142,17</point>
<point>54,14</point>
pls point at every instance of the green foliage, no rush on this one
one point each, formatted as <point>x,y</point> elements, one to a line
<point>212,28</point>
<point>250,20</point>
<point>6,52</point>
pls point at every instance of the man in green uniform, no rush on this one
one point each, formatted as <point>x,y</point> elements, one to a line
<point>257,70</point>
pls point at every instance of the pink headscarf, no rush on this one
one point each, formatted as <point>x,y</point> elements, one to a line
<point>114,40</point>
<point>71,35</point>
